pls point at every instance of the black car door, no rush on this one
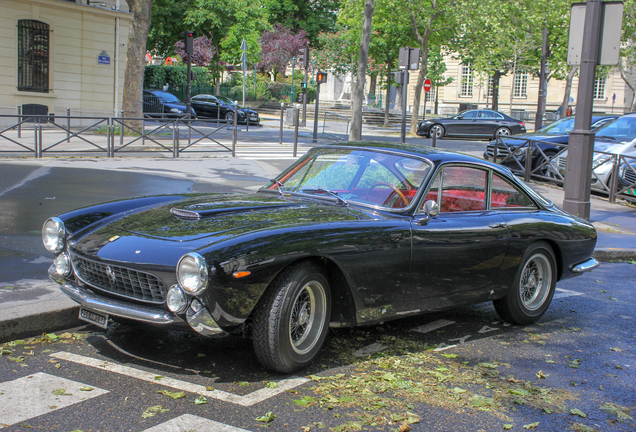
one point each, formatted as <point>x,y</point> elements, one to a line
<point>200,106</point>
<point>463,124</point>
<point>460,250</point>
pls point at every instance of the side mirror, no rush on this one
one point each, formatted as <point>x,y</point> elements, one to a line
<point>431,208</point>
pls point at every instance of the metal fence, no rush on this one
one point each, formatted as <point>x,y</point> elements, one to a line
<point>612,174</point>
<point>39,136</point>
<point>335,126</point>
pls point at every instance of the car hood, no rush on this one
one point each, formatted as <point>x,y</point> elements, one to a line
<point>164,233</point>
<point>626,148</point>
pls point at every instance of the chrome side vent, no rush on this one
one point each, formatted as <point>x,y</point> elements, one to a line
<point>185,214</point>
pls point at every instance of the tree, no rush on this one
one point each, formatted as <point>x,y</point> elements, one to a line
<point>202,51</point>
<point>134,77</point>
<point>355,134</point>
<point>278,47</point>
<point>337,53</point>
<point>313,17</point>
<point>628,49</point>
<point>428,17</point>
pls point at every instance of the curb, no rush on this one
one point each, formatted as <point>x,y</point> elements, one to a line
<point>35,325</point>
<point>610,255</point>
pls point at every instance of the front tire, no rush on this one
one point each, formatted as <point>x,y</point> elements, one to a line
<point>437,131</point>
<point>291,321</point>
<point>229,116</point>
<point>533,288</point>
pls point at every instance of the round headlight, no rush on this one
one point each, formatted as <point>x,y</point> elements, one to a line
<point>53,235</point>
<point>63,264</point>
<point>192,273</point>
<point>176,299</point>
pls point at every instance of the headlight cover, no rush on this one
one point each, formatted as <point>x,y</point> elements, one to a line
<point>175,110</point>
<point>176,299</point>
<point>53,233</point>
<point>192,273</point>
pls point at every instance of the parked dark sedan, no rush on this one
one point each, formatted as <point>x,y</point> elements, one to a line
<point>157,103</point>
<point>221,107</point>
<point>477,123</point>
<point>351,234</point>
<point>554,133</point>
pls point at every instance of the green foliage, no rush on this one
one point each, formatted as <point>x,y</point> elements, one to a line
<point>156,76</point>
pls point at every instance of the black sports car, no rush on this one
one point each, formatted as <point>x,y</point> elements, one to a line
<point>477,123</point>
<point>157,103</point>
<point>221,107</point>
<point>351,234</point>
<point>544,143</point>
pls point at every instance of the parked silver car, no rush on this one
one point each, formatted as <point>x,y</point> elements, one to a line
<point>615,138</point>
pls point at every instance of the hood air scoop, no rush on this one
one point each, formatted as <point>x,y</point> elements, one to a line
<point>204,214</point>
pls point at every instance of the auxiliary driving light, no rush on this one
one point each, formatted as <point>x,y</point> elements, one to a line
<point>176,299</point>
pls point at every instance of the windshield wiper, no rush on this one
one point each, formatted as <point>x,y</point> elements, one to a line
<point>328,192</point>
<point>606,137</point>
<point>279,185</point>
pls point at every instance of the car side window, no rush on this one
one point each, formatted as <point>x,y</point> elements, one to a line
<point>506,195</point>
<point>470,115</point>
<point>462,189</point>
<point>487,114</point>
<point>498,116</point>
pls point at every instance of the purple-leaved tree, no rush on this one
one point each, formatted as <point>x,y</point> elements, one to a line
<point>278,47</point>
<point>202,51</point>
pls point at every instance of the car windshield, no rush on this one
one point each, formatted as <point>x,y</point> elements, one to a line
<point>364,177</point>
<point>225,100</point>
<point>623,129</point>
<point>167,97</point>
<point>559,127</point>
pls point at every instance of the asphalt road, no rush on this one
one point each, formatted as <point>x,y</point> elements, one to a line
<point>461,370</point>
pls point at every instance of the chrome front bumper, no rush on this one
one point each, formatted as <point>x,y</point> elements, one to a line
<point>588,265</point>
<point>197,315</point>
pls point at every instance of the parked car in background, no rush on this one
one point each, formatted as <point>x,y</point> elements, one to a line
<point>554,133</point>
<point>221,107</point>
<point>614,138</point>
<point>158,103</point>
<point>351,234</point>
<point>477,123</point>
<point>627,178</point>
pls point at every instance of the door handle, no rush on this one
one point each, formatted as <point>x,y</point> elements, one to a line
<point>498,225</point>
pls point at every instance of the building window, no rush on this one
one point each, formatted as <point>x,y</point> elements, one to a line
<point>430,95</point>
<point>467,82</point>
<point>33,56</point>
<point>491,80</point>
<point>599,88</point>
<point>521,86</point>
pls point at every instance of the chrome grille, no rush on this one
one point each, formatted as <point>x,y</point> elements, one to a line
<point>120,280</point>
<point>502,151</point>
<point>561,162</point>
<point>629,175</point>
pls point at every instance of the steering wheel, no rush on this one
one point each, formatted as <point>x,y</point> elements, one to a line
<point>396,190</point>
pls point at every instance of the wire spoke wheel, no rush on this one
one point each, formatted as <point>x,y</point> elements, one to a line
<point>308,317</point>
<point>536,279</point>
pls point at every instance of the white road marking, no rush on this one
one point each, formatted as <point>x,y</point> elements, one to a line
<point>566,293</point>
<point>247,400</point>
<point>487,329</point>
<point>432,326</point>
<point>188,422</point>
<point>32,396</point>
<point>369,350</point>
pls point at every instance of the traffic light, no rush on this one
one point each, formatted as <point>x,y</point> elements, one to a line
<point>303,57</point>
<point>303,85</point>
<point>321,77</point>
<point>188,37</point>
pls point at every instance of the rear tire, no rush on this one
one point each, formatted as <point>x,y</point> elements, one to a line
<point>533,288</point>
<point>502,131</point>
<point>291,321</point>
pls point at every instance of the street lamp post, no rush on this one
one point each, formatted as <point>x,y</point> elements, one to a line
<point>292,85</point>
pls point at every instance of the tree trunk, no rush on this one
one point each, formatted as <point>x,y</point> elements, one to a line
<point>568,90</point>
<point>388,97</point>
<point>135,59</point>
<point>632,105</point>
<point>372,84</point>
<point>355,134</point>
<point>495,90</point>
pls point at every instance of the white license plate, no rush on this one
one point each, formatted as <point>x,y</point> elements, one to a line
<point>99,319</point>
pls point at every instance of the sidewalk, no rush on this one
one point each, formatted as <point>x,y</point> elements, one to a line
<point>42,307</point>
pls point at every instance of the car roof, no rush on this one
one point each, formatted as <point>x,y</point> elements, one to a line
<point>434,154</point>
